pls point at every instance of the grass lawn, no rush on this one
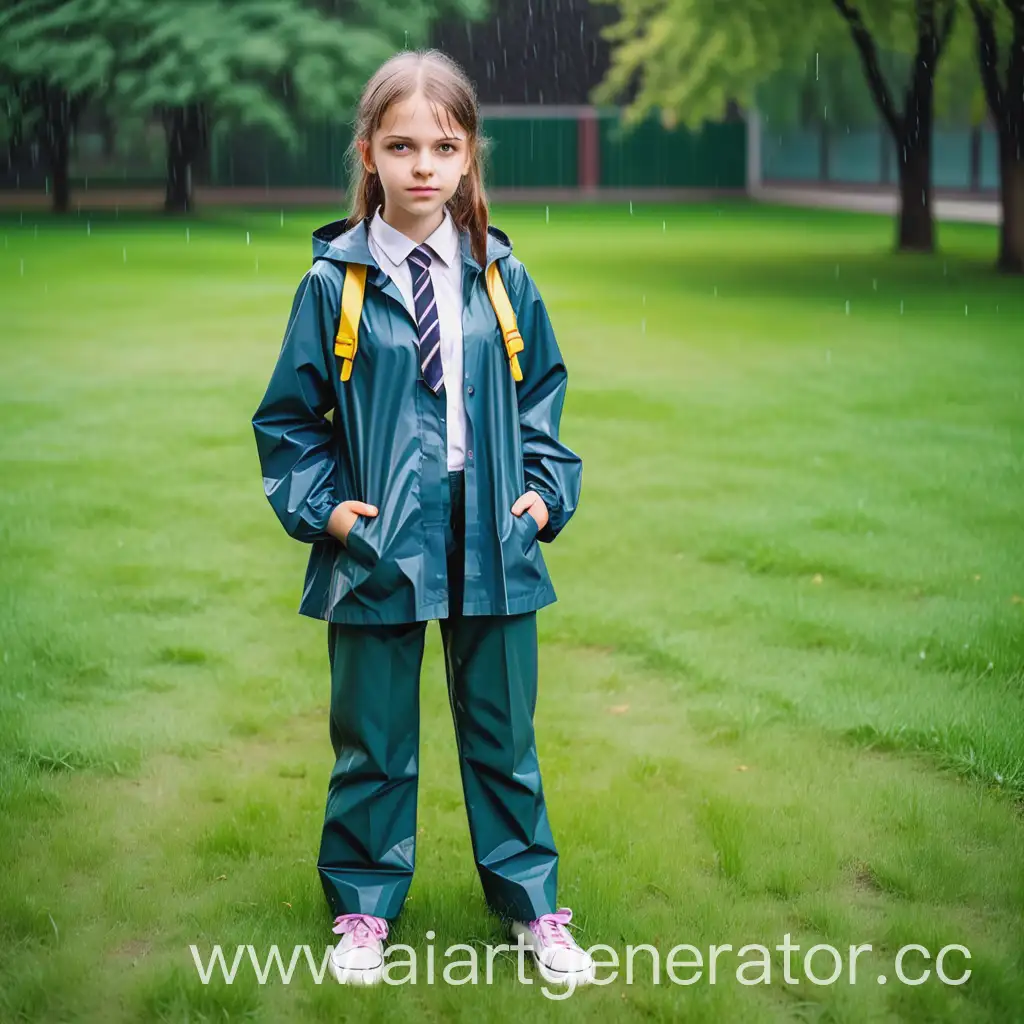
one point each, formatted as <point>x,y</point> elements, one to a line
<point>782,690</point>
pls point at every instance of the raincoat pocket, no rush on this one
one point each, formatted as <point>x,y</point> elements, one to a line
<point>356,545</point>
<point>381,576</point>
<point>530,529</point>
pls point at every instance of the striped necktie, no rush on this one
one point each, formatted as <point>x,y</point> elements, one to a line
<point>426,317</point>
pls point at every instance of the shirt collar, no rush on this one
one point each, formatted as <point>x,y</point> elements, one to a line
<point>444,241</point>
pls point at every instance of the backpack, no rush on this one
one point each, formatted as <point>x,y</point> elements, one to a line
<point>346,343</point>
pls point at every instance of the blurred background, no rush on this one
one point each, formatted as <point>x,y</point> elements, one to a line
<point>225,100</point>
<point>782,687</point>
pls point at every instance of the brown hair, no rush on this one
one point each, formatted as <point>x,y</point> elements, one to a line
<point>443,82</point>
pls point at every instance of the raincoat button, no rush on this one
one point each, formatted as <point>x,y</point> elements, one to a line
<point>470,389</point>
<point>469,455</point>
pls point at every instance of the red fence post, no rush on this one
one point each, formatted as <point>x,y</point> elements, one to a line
<point>588,150</point>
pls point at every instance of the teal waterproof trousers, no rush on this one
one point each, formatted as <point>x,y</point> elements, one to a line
<point>369,835</point>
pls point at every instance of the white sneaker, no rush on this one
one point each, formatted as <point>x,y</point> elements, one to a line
<point>359,958</point>
<point>557,956</point>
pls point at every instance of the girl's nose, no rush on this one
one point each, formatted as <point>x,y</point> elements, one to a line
<point>424,166</point>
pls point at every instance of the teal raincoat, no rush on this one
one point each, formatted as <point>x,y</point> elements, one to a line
<point>381,437</point>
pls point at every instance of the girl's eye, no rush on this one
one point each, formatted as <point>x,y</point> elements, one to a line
<point>450,147</point>
<point>395,145</point>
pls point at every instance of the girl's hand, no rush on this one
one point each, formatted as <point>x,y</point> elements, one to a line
<point>344,516</point>
<point>533,503</point>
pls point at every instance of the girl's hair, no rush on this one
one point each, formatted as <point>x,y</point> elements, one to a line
<point>443,82</point>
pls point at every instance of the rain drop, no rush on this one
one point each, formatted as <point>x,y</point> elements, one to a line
<point>716,291</point>
<point>247,238</point>
<point>88,227</point>
<point>837,271</point>
<point>965,309</point>
<point>874,284</point>
<point>124,254</point>
<point>663,227</point>
<point>816,67</point>
<point>187,235</point>
<point>547,214</point>
<point>282,218</point>
<point>631,207</point>
<point>257,264</point>
<point>847,307</point>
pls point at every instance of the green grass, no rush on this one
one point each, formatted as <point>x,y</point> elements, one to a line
<point>782,689</point>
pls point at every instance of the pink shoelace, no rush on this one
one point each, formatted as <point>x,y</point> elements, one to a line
<point>366,930</point>
<point>551,928</point>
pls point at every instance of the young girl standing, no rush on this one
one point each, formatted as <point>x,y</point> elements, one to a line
<point>424,470</point>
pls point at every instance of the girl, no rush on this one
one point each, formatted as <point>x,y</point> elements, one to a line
<point>424,474</point>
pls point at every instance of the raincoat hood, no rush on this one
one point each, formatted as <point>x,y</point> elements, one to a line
<point>346,242</point>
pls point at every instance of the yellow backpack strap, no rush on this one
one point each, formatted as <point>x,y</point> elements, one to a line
<point>506,318</point>
<point>347,341</point>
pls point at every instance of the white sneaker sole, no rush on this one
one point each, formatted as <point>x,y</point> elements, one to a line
<point>354,976</point>
<point>564,977</point>
<point>584,977</point>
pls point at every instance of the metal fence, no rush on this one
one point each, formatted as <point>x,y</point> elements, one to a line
<point>963,159</point>
<point>529,147</point>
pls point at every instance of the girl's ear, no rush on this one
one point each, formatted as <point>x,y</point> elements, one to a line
<point>364,152</point>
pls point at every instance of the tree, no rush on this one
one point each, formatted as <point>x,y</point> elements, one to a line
<point>53,60</point>
<point>1005,97</point>
<point>242,62</point>
<point>912,125</point>
<point>257,62</point>
<point>693,55</point>
<point>195,65</point>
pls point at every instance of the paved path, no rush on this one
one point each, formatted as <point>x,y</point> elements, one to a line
<point>980,209</point>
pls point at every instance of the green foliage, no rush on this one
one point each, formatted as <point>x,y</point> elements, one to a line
<point>48,47</point>
<point>249,62</point>
<point>796,57</point>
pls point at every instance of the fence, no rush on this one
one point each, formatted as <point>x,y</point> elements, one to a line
<point>963,159</point>
<point>530,147</point>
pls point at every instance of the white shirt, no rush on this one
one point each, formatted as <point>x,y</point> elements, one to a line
<point>390,248</point>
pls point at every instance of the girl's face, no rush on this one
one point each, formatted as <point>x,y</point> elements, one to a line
<point>420,165</point>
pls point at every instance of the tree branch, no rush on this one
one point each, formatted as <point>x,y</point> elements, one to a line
<point>946,29</point>
<point>869,58</point>
<point>1013,97</point>
<point>988,58</point>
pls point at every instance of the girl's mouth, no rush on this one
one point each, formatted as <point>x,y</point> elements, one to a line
<point>423,190</point>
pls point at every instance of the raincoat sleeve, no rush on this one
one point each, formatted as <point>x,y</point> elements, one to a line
<point>293,435</point>
<point>554,471</point>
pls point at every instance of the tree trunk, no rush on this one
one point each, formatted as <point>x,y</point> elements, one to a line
<point>1011,188</point>
<point>915,227</point>
<point>1006,105</point>
<point>60,113</point>
<point>186,135</point>
<point>912,127</point>
<point>59,159</point>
